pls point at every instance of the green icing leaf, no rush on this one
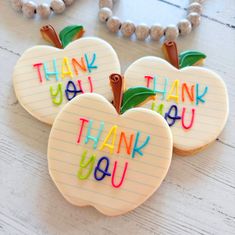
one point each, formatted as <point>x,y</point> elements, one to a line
<point>189,58</point>
<point>69,33</point>
<point>135,96</point>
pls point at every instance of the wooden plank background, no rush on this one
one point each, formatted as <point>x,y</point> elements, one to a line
<point>198,194</point>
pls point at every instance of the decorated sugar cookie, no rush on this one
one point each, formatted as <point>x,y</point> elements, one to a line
<point>46,78</point>
<point>193,100</point>
<point>113,162</point>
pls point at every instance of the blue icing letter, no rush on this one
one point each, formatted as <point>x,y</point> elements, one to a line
<point>103,172</point>
<point>173,118</point>
<point>95,139</point>
<point>54,73</point>
<point>91,65</point>
<point>137,149</point>
<point>164,91</point>
<point>199,98</point>
<point>71,89</point>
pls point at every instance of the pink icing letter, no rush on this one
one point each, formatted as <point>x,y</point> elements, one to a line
<point>148,78</point>
<point>123,174</point>
<point>37,66</point>
<point>192,118</point>
<point>83,121</point>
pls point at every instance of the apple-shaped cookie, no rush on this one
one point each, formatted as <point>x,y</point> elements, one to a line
<point>193,100</point>
<point>46,78</point>
<point>100,158</point>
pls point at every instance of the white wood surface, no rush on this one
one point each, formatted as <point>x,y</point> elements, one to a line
<point>198,194</point>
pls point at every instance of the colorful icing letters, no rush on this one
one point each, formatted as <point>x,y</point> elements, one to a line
<point>109,142</point>
<point>193,100</point>
<point>46,78</point>
<point>69,70</point>
<point>110,161</point>
<point>70,90</point>
<point>177,95</point>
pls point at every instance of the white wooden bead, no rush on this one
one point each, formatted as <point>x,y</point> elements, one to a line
<point>29,9</point>
<point>127,28</point>
<point>57,6</point>
<point>194,18</point>
<point>142,32</point>
<point>195,7</point>
<point>104,14</point>
<point>113,24</point>
<point>68,2</point>
<point>171,33</point>
<point>17,4</point>
<point>185,27</point>
<point>106,3</point>
<point>156,32</point>
<point>43,10</point>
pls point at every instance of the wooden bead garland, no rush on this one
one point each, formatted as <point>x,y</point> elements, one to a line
<point>44,10</point>
<point>156,32</point>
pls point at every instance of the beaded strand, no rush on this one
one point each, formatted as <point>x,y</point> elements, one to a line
<point>156,31</point>
<point>44,10</point>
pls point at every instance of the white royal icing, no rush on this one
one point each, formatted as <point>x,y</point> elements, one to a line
<point>146,163</point>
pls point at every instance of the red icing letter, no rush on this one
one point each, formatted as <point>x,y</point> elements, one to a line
<point>192,118</point>
<point>80,85</point>
<point>91,85</point>
<point>37,66</point>
<point>148,78</point>
<point>83,120</point>
<point>123,174</point>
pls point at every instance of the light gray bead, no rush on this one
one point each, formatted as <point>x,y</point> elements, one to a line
<point>57,6</point>
<point>104,14</point>
<point>194,18</point>
<point>113,24</point>
<point>68,2</point>
<point>106,3</point>
<point>17,4</point>
<point>142,31</point>
<point>43,10</point>
<point>195,7</point>
<point>156,32</point>
<point>171,33</point>
<point>29,9</point>
<point>184,27</point>
<point>127,28</point>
